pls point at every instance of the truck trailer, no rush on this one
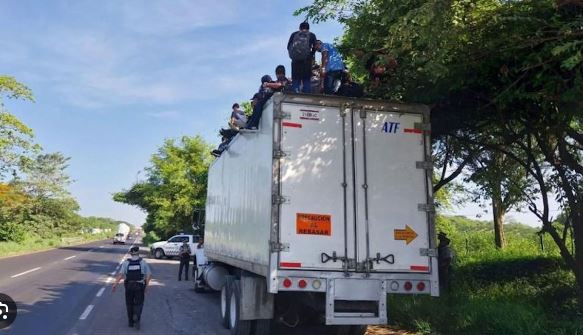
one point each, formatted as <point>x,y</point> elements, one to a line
<point>319,214</point>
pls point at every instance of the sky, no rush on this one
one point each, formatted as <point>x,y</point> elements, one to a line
<point>113,79</point>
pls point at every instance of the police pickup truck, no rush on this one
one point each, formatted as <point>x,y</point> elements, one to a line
<point>171,247</point>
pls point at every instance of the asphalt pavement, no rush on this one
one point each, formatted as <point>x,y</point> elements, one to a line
<point>68,291</point>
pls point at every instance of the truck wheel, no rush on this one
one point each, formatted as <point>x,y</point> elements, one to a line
<point>159,253</point>
<point>261,327</point>
<point>225,297</point>
<point>238,326</point>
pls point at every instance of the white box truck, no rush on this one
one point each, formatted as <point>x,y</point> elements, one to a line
<point>320,213</point>
<point>121,236</point>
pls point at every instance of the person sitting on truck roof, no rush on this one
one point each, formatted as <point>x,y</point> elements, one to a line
<point>332,65</point>
<point>238,118</point>
<point>265,92</point>
<point>282,84</point>
<point>222,147</point>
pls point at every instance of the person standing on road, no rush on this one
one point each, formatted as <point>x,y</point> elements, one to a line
<point>184,253</point>
<point>301,51</point>
<point>136,273</point>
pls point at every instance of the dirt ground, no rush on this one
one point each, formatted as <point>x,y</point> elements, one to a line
<point>382,330</point>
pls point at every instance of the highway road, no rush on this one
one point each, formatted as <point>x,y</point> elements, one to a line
<point>68,291</point>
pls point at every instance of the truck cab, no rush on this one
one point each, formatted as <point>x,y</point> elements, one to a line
<point>171,247</point>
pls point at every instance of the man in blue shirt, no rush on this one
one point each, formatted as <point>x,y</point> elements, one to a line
<point>332,66</point>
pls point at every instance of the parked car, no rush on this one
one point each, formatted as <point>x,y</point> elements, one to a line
<point>171,247</point>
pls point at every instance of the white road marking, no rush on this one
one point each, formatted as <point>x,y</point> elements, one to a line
<point>68,258</point>
<point>100,292</point>
<point>86,313</point>
<point>102,246</point>
<point>25,272</point>
<point>109,280</point>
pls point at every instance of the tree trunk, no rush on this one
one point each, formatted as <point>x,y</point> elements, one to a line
<point>498,212</point>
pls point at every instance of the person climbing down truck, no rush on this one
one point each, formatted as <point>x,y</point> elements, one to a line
<point>319,214</point>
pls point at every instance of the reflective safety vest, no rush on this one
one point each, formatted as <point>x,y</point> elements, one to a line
<point>134,272</point>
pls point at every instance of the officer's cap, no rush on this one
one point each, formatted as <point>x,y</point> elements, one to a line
<point>134,250</point>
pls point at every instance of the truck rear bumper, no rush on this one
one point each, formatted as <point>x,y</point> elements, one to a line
<point>356,300</point>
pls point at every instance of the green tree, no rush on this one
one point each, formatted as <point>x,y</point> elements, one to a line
<point>16,139</point>
<point>175,186</point>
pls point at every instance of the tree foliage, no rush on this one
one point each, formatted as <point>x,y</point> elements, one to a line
<point>175,186</point>
<point>16,138</point>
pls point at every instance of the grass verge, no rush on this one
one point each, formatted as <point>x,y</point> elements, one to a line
<point>35,244</point>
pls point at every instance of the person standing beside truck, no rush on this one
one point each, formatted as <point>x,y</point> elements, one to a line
<point>137,274</point>
<point>184,252</point>
<point>444,259</point>
<point>301,50</point>
<point>332,66</point>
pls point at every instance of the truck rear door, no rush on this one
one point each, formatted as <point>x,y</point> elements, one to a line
<point>351,192</point>
<point>313,183</point>
<point>391,184</point>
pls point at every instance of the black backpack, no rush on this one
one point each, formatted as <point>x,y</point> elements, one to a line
<point>299,48</point>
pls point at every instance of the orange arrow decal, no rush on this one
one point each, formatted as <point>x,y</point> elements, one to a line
<point>406,234</point>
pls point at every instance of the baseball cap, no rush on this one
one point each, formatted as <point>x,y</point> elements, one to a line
<point>134,250</point>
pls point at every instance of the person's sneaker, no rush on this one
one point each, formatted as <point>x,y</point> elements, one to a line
<point>136,322</point>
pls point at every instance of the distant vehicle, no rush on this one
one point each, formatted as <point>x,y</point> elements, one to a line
<point>171,247</point>
<point>121,236</point>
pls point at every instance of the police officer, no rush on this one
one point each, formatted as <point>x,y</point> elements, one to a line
<point>137,275</point>
<point>185,253</point>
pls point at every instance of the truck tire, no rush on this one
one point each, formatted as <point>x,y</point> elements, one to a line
<point>261,327</point>
<point>225,301</point>
<point>238,326</point>
<point>159,253</point>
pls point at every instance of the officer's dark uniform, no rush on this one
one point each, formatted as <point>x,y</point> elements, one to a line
<point>184,261</point>
<point>134,287</point>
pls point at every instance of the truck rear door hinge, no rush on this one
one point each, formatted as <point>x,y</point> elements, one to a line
<point>278,247</point>
<point>422,126</point>
<point>279,199</point>
<point>277,154</point>
<point>428,252</point>
<point>426,207</point>
<point>282,115</point>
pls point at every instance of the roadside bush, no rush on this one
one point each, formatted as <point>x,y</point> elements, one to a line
<point>12,232</point>
<point>150,238</point>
